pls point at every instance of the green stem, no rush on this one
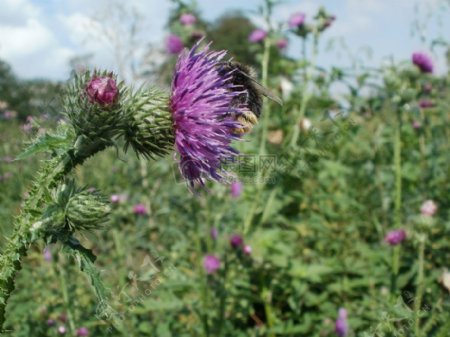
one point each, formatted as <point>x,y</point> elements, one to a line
<point>65,293</point>
<point>306,94</point>
<point>398,172</point>
<point>49,176</point>
<point>419,290</point>
<point>264,76</point>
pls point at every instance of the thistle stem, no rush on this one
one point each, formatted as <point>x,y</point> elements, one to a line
<point>49,176</point>
<point>419,290</point>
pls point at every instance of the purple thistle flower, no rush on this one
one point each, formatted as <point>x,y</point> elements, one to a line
<point>423,62</point>
<point>395,237</point>
<point>426,103</point>
<point>187,19</point>
<point>201,106</point>
<point>258,35</point>
<point>140,209</point>
<point>236,189</point>
<point>214,233</point>
<point>82,332</point>
<point>211,263</point>
<point>296,20</point>
<point>174,44</point>
<point>341,326</point>
<point>102,90</point>
<point>282,44</point>
<point>236,241</point>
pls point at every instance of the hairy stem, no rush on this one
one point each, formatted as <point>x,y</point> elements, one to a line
<point>53,172</point>
<point>419,290</point>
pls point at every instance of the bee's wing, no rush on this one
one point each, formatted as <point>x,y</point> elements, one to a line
<point>263,90</point>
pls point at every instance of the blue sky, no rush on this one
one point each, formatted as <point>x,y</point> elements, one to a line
<point>39,37</point>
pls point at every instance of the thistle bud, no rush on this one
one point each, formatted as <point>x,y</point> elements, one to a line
<point>73,210</point>
<point>94,105</point>
<point>149,128</point>
<point>102,90</point>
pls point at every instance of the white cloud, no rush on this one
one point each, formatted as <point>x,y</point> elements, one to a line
<point>17,12</point>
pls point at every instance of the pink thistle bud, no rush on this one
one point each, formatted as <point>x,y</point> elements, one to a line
<point>236,189</point>
<point>62,330</point>
<point>395,237</point>
<point>211,263</point>
<point>282,44</point>
<point>296,20</point>
<point>236,241</point>
<point>416,125</point>
<point>82,332</point>
<point>102,90</point>
<point>247,250</point>
<point>428,208</point>
<point>187,19</point>
<point>258,35</point>
<point>140,209</point>
<point>118,198</point>
<point>174,44</point>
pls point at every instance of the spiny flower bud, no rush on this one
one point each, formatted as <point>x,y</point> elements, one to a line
<point>74,209</point>
<point>149,126</point>
<point>94,105</point>
<point>102,90</point>
<point>85,211</point>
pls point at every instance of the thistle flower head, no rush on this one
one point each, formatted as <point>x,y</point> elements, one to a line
<point>247,250</point>
<point>211,263</point>
<point>174,44</point>
<point>423,62</point>
<point>140,209</point>
<point>258,35</point>
<point>236,189</point>
<point>282,43</point>
<point>236,241</point>
<point>341,326</point>
<point>187,19</point>
<point>296,20</point>
<point>201,105</point>
<point>82,332</point>
<point>395,237</point>
<point>426,103</point>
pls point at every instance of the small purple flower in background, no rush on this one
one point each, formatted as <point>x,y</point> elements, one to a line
<point>174,44</point>
<point>236,241</point>
<point>47,254</point>
<point>296,20</point>
<point>282,44</point>
<point>102,90</point>
<point>341,326</point>
<point>187,19</point>
<point>27,127</point>
<point>395,237</point>
<point>258,35</point>
<point>211,263</point>
<point>62,330</point>
<point>51,322</point>
<point>427,88</point>
<point>118,198</point>
<point>9,114</point>
<point>423,62</point>
<point>140,209</point>
<point>426,103</point>
<point>416,125</point>
<point>82,332</point>
<point>63,317</point>
<point>247,250</point>
<point>214,233</point>
<point>236,189</point>
<point>6,176</point>
<point>428,208</point>
<point>200,104</point>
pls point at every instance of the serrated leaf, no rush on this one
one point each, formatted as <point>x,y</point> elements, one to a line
<point>45,143</point>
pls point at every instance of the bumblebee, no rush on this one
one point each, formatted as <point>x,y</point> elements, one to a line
<point>243,78</point>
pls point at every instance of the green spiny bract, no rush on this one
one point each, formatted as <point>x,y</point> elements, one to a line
<point>149,127</point>
<point>90,119</point>
<point>71,210</point>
